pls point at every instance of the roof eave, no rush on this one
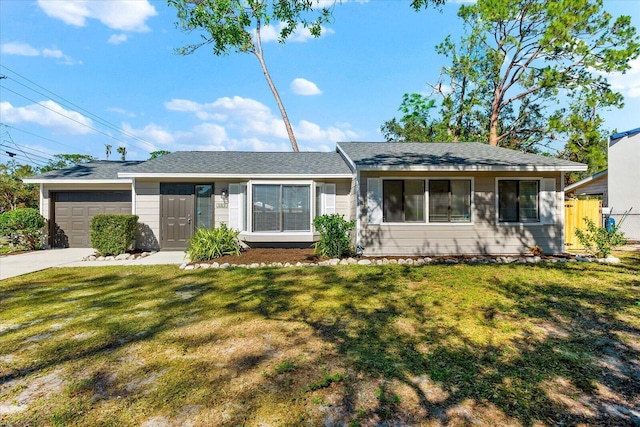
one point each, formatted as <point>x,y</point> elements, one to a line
<point>586,180</point>
<point>75,181</point>
<point>234,176</point>
<point>475,168</point>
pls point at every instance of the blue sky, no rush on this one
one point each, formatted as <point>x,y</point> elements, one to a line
<point>82,74</point>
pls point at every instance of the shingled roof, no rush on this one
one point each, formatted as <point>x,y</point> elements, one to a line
<point>462,156</point>
<point>242,163</point>
<point>97,170</point>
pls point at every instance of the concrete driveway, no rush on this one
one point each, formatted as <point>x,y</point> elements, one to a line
<point>16,265</point>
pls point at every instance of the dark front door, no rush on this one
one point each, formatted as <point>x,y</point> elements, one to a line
<point>177,205</point>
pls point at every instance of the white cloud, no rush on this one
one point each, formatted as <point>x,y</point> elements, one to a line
<point>24,49</point>
<point>301,86</point>
<point>117,38</point>
<point>20,49</point>
<point>121,111</point>
<point>48,114</point>
<point>628,83</point>
<point>247,124</point>
<point>152,133</point>
<point>122,15</point>
<point>271,33</point>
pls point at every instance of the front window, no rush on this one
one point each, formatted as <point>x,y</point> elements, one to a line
<point>281,207</point>
<point>403,200</point>
<point>518,201</point>
<point>450,200</point>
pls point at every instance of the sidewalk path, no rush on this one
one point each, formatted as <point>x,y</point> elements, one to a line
<point>16,265</point>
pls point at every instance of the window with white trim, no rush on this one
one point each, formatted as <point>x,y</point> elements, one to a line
<point>518,200</point>
<point>403,200</point>
<point>449,200</point>
<point>280,207</point>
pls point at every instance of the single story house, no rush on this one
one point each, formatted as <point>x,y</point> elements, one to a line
<point>615,184</point>
<point>406,198</point>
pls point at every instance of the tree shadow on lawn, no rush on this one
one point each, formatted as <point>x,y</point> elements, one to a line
<point>549,348</point>
<point>105,304</point>
<point>536,376</point>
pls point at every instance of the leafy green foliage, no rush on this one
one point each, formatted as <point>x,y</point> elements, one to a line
<point>235,26</point>
<point>23,226</point>
<point>598,241</point>
<point>123,152</point>
<point>527,74</point>
<point>14,193</point>
<point>335,238</point>
<point>210,243</point>
<point>158,153</point>
<point>113,234</point>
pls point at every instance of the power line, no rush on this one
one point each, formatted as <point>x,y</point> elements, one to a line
<point>29,156</point>
<point>40,136</point>
<point>26,151</point>
<point>65,116</point>
<point>94,116</point>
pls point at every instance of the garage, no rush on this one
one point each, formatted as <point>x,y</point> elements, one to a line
<point>73,210</point>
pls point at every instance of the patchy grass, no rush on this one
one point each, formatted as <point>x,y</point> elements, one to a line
<point>512,344</point>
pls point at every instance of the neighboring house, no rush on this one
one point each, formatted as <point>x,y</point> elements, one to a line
<point>595,186</point>
<point>618,184</point>
<point>407,198</point>
<point>624,180</point>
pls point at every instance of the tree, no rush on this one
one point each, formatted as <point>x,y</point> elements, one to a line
<point>123,152</point>
<point>523,68</point>
<point>107,150</point>
<point>61,161</point>
<point>159,153</point>
<point>13,192</point>
<point>236,25</point>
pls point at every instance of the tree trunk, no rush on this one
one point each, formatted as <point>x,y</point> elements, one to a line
<point>285,118</point>
<point>493,120</point>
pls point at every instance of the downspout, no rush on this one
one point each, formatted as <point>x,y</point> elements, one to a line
<point>562,216</point>
<point>356,176</point>
<point>358,225</point>
<point>133,196</point>
<point>42,199</point>
<point>133,210</point>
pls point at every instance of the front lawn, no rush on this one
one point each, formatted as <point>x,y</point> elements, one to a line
<point>515,344</point>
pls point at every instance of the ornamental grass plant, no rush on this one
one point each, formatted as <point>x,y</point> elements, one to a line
<point>210,243</point>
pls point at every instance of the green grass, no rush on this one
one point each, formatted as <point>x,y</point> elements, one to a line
<point>489,344</point>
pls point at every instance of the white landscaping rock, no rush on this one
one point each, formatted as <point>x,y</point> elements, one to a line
<point>364,262</point>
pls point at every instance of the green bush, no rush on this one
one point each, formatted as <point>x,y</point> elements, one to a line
<point>335,235</point>
<point>209,243</point>
<point>113,234</point>
<point>23,226</point>
<point>598,241</point>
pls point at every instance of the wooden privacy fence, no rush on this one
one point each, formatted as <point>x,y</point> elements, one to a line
<point>574,213</point>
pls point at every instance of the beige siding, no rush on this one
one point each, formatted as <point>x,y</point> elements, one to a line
<point>343,197</point>
<point>220,205</point>
<point>483,236</point>
<point>147,208</point>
